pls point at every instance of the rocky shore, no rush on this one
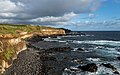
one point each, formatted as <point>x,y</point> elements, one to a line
<point>12,40</point>
<point>57,58</point>
<point>39,60</point>
<point>51,58</point>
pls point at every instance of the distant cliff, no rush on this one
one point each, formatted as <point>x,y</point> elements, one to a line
<point>66,30</point>
<point>12,40</point>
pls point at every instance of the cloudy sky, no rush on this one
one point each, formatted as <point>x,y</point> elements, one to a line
<point>80,15</point>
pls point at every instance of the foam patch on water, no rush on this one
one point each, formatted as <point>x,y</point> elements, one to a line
<point>49,39</point>
<point>108,52</point>
<point>75,49</point>
<point>101,42</point>
<point>101,71</point>
<point>61,41</point>
<point>93,59</point>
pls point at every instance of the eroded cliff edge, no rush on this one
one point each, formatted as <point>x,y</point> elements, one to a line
<point>12,40</point>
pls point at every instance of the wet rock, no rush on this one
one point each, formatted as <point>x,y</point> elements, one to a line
<point>109,66</point>
<point>116,72</point>
<point>80,49</point>
<point>89,67</point>
<point>78,61</point>
<point>46,58</point>
<point>59,49</point>
<point>53,36</point>
<point>118,58</point>
<point>66,58</point>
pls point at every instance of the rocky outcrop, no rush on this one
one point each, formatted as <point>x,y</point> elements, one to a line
<point>108,65</point>
<point>89,67</point>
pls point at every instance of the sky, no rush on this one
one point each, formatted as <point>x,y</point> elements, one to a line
<point>77,15</point>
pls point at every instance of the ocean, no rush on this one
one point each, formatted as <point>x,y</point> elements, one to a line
<point>98,47</point>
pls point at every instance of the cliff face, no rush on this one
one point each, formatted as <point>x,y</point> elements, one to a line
<point>9,48</point>
<point>11,45</point>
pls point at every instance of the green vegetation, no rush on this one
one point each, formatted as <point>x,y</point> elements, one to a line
<point>9,52</point>
<point>12,29</point>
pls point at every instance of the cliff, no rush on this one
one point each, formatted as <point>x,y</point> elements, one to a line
<point>12,40</point>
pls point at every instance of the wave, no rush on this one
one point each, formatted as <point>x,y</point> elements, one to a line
<point>102,70</point>
<point>99,42</point>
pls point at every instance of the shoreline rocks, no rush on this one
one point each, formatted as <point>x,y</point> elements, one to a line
<point>92,67</point>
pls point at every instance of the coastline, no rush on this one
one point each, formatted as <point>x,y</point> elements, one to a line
<point>11,45</point>
<point>56,55</point>
<point>39,60</point>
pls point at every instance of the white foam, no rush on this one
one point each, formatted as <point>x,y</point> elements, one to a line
<point>58,37</point>
<point>100,42</point>
<point>93,59</point>
<point>75,49</point>
<point>61,41</point>
<point>49,39</point>
<point>101,71</point>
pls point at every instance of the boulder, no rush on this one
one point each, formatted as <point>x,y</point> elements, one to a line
<point>92,67</point>
<point>80,49</point>
<point>116,72</point>
<point>60,49</point>
<point>118,58</point>
<point>108,65</point>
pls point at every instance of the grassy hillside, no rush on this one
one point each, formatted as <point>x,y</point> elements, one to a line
<point>12,29</point>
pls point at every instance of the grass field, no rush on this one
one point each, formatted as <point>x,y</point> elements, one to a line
<point>12,29</point>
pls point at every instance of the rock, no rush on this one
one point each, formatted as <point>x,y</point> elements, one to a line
<point>116,72</point>
<point>46,58</point>
<point>78,61</point>
<point>80,49</point>
<point>118,58</point>
<point>60,49</point>
<point>35,38</point>
<point>109,66</point>
<point>53,36</point>
<point>66,30</point>
<point>66,58</point>
<point>89,67</point>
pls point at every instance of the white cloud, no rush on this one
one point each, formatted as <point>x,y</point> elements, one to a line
<point>66,17</point>
<point>4,15</point>
<point>8,6</point>
<point>45,11</point>
<point>43,8</point>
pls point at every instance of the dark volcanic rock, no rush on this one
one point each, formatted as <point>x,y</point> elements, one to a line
<point>116,72</point>
<point>29,45</point>
<point>47,58</point>
<point>80,49</point>
<point>89,67</point>
<point>66,30</point>
<point>118,58</point>
<point>109,66</point>
<point>38,62</point>
<point>35,38</point>
<point>59,49</point>
<point>27,63</point>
